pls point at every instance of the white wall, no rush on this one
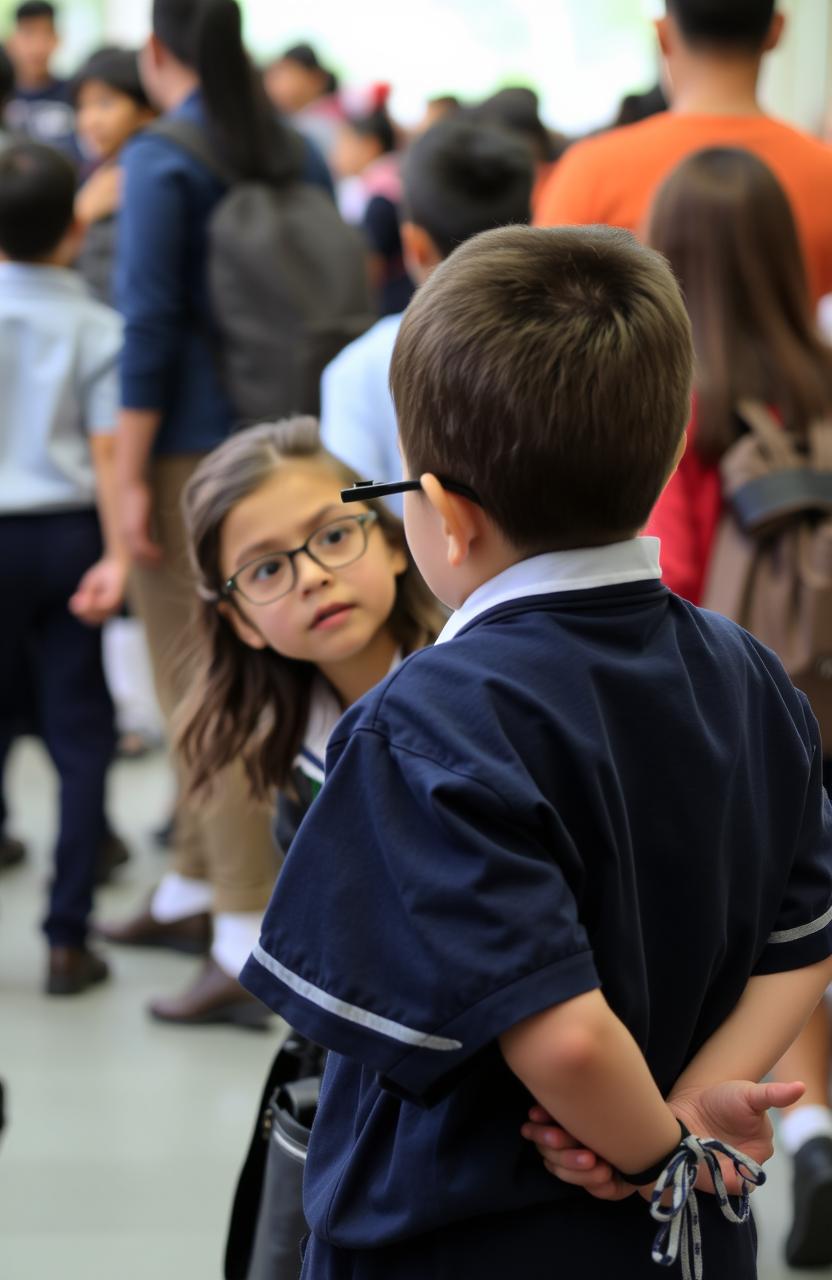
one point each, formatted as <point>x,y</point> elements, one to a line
<point>582,55</point>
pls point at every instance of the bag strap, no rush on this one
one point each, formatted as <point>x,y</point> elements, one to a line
<point>193,139</point>
<point>196,140</point>
<point>763,424</point>
<point>819,435</point>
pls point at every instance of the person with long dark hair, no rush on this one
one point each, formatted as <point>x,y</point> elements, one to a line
<point>174,411</point>
<point>724,223</point>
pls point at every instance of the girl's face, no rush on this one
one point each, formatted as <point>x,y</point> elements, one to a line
<point>330,616</point>
<point>106,118</point>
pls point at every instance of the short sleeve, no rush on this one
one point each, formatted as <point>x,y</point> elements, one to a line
<point>802,933</point>
<point>416,918</point>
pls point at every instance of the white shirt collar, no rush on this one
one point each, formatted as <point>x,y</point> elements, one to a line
<point>634,561</point>
<point>324,713</point>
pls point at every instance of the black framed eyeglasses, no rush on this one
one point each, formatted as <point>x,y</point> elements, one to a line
<point>366,490</point>
<point>333,546</point>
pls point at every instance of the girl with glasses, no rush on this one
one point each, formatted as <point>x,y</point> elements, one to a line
<point>305,604</point>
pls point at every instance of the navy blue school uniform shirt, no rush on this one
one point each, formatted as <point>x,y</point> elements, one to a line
<point>590,782</point>
<point>161,287</point>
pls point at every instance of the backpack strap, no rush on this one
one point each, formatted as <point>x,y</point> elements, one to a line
<point>777,443</point>
<point>193,139</point>
<point>792,485</point>
<point>196,141</point>
<point>819,435</point>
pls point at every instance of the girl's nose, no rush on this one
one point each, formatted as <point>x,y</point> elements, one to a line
<point>310,575</point>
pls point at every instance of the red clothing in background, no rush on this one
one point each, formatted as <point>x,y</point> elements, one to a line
<point>685,518</point>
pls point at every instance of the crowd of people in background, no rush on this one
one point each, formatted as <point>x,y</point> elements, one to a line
<point>132,442</point>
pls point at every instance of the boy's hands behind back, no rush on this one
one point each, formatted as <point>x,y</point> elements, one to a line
<point>736,1111</point>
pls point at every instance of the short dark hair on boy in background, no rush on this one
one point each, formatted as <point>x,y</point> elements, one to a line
<point>33,9</point>
<point>570,350</point>
<point>742,24</point>
<point>455,171</point>
<point>37,196</point>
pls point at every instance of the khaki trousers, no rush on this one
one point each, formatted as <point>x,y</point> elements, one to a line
<point>228,840</point>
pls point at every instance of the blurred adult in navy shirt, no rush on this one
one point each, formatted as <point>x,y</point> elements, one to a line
<point>174,411</point>
<point>39,107</point>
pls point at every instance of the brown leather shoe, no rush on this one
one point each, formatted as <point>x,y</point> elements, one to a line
<point>213,997</point>
<point>191,935</point>
<point>72,970</point>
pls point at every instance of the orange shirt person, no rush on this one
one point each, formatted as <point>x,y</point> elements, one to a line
<point>713,56</point>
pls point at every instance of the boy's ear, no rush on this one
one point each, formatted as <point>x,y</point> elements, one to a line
<point>460,518</point>
<point>664,36</point>
<point>775,32</point>
<point>244,630</point>
<point>419,249</point>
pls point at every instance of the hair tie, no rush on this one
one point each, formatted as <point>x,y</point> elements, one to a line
<point>680,1230</point>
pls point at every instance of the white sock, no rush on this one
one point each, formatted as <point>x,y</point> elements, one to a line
<point>800,1126</point>
<point>236,934</point>
<point>179,896</point>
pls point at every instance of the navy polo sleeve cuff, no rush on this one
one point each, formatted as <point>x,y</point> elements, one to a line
<point>798,946</point>
<point>413,1060</point>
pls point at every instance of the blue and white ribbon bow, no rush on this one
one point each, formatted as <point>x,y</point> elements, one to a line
<point>680,1232</point>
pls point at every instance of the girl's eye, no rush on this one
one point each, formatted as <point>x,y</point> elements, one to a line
<point>267,569</point>
<point>335,535</point>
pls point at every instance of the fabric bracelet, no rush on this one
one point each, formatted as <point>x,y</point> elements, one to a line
<point>646,1176</point>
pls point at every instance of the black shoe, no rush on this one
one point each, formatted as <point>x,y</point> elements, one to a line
<point>112,854</point>
<point>12,852</point>
<point>810,1240</point>
<point>72,970</point>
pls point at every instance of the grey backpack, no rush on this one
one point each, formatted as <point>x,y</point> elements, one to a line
<point>287,282</point>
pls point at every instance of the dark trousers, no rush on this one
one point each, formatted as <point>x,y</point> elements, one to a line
<point>49,653</point>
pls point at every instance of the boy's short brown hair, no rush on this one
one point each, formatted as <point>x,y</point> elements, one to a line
<point>550,370</point>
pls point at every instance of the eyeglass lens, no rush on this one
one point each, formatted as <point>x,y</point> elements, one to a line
<point>333,546</point>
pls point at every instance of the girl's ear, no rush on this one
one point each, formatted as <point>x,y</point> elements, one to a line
<point>244,630</point>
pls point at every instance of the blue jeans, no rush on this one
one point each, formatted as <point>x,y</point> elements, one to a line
<point>45,650</point>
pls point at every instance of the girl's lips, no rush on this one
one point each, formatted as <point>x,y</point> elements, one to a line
<point>330,616</point>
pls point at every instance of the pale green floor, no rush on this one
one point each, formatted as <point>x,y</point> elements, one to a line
<point>125,1136</point>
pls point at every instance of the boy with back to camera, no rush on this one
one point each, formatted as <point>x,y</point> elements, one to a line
<point>510,889</point>
<point>459,178</point>
<point>58,400</point>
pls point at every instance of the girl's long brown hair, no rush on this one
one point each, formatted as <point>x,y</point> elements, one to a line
<point>253,704</point>
<point>724,223</point>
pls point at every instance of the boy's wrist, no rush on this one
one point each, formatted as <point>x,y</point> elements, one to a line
<point>646,1177</point>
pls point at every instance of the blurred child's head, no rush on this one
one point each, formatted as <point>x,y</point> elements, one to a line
<point>461,178</point>
<point>268,622</point>
<point>517,110</point>
<point>33,42</point>
<point>438,109</point>
<point>37,196</point>
<point>550,371</point>
<point>739,27</point>
<point>110,102</point>
<point>297,78</point>
<point>725,225</point>
<point>361,140</point>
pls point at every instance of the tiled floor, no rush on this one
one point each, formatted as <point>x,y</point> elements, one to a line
<point>126,1136</point>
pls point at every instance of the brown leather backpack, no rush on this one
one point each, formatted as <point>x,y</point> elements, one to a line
<point>771,566</point>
